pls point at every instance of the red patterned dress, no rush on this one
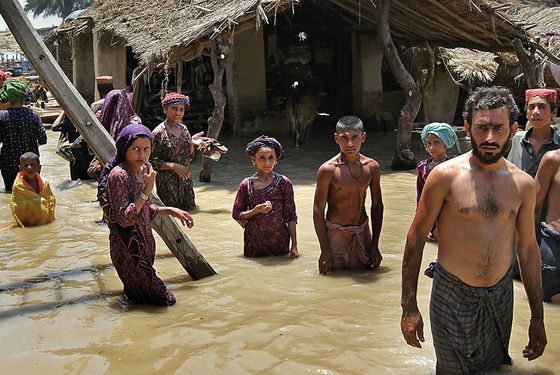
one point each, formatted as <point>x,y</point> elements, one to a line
<point>166,147</point>
<point>133,247</point>
<point>266,234</point>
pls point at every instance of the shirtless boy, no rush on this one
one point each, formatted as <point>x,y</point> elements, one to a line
<point>479,200</point>
<point>342,183</point>
<point>548,189</point>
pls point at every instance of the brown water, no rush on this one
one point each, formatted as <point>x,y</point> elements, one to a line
<point>62,310</point>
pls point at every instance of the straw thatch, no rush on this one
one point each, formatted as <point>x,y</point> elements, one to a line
<point>539,22</point>
<point>168,31</point>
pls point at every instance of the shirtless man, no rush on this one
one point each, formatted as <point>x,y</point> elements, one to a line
<point>548,189</point>
<point>342,182</point>
<point>479,200</point>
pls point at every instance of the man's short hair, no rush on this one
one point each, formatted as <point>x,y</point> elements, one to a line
<point>349,122</point>
<point>29,156</point>
<point>491,98</point>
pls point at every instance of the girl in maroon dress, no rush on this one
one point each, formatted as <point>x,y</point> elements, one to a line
<point>265,205</point>
<point>124,186</point>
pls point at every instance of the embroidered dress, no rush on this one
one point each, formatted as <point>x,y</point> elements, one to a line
<point>166,147</point>
<point>133,247</point>
<point>21,131</point>
<point>424,170</point>
<point>266,234</point>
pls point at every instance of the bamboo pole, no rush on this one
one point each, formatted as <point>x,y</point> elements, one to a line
<point>91,129</point>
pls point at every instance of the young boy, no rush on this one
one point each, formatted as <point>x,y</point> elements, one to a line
<point>342,182</point>
<point>32,200</point>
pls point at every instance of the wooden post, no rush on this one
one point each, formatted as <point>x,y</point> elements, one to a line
<point>404,157</point>
<point>91,129</point>
<point>526,64</point>
<point>179,76</point>
<point>218,53</point>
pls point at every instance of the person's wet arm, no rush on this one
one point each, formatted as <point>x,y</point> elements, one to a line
<point>376,216</point>
<point>324,178</point>
<point>529,257</point>
<point>431,202</point>
<point>543,180</point>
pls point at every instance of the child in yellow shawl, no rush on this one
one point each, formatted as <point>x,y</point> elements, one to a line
<point>32,201</point>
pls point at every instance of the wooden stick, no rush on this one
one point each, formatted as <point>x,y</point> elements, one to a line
<point>91,129</point>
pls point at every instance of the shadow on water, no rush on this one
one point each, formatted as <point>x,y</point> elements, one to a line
<point>28,283</point>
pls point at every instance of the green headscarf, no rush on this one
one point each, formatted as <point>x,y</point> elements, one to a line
<point>14,90</point>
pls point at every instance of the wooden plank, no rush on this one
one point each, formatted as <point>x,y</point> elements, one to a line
<point>91,129</point>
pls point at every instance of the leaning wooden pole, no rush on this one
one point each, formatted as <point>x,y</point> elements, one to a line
<point>91,129</point>
<point>526,64</point>
<point>219,52</point>
<point>404,157</point>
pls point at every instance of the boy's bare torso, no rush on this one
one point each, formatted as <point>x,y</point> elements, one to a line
<point>347,190</point>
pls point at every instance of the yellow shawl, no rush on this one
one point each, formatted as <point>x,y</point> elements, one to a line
<point>30,208</point>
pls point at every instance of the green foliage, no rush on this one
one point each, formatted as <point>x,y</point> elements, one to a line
<point>61,8</point>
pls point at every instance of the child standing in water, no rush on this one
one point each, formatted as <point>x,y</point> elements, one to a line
<point>265,205</point>
<point>124,186</point>
<point>32,201</point>
<point>437,138</point>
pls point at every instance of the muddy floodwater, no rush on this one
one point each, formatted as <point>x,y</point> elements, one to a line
<point>62,310</point>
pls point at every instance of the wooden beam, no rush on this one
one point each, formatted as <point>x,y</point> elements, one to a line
<point>464,21</point>
<point>530,78</point>
<point>440,22</point>
<point>91,129</point>
<point>500,22</point>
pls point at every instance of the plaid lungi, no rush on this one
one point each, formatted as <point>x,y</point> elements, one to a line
<point>471,326</point>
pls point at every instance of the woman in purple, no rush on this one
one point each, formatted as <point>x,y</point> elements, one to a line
<point>265,205</point>
<point>124,186</point>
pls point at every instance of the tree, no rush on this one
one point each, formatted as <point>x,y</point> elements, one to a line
<point>61,8</point>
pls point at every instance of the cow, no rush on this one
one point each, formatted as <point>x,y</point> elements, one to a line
<point>301,110</point>
<point>40,92</point>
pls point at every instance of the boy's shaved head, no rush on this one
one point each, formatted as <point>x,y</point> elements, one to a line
<point>29,156</point>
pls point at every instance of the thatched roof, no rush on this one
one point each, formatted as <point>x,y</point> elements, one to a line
<point>540,23</point>
<point>174,30</point>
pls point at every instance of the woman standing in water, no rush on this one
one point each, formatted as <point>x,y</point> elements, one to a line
<point>173,153</point>
<point>265,205</point>
<point>124,186</point>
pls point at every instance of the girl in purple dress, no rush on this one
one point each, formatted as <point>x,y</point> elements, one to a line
<point>124,186</point>
<point>265,205</point>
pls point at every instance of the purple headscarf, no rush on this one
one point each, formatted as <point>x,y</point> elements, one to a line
<point>116,112</point>
<point>263,141</point>
<point>126,138</point>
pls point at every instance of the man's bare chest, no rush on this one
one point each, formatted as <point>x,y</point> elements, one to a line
<point>489,202</point>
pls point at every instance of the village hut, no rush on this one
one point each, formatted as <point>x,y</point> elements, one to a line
<point>344,49</point>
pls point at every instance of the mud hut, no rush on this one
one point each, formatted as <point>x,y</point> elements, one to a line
<point>342,48</point>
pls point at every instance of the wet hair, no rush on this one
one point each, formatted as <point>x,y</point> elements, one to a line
<point>349,122</point>
<point>491,98</point>
<point>263,141</point>
<point>29,156</point>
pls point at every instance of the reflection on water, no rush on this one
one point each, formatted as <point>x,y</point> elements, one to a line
<point>62,308</point>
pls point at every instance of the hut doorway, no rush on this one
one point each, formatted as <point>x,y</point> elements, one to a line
<point>311,46</point>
